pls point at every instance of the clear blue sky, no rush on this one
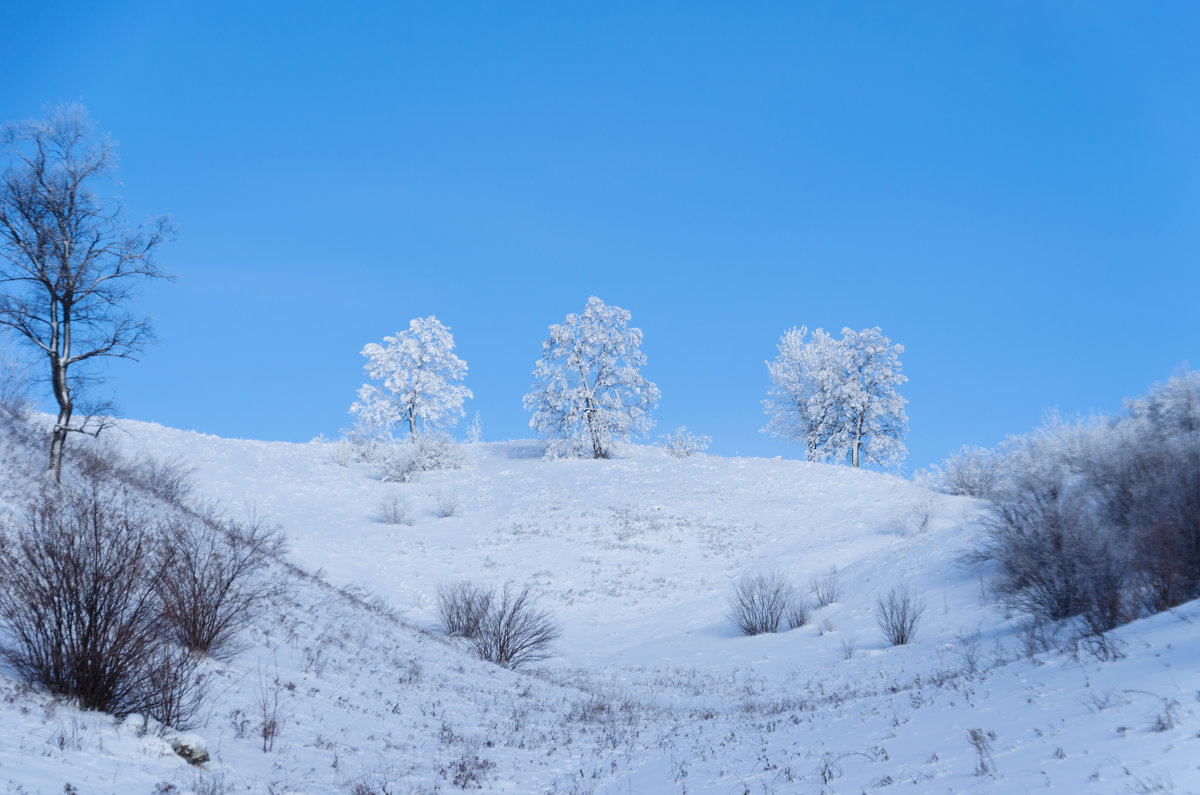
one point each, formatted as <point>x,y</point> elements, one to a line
<point>1009,189</point>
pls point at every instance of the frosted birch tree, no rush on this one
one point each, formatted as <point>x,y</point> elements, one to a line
<point>419,372</point>
<point>838,397</point>
<point>588,389</point>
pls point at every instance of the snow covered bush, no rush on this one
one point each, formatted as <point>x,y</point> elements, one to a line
<point>448,502</point>
<point>760,602</point>
<point>419,372</point>
<point>396,511</point>
<point>684,444</point>
<point>971,472</point>
<point>588,389</point>
<point>898,613</point>
<point>838,397</point>
<point>400,462</point>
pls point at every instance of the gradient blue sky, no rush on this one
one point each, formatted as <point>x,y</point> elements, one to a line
<point>1009,189</point>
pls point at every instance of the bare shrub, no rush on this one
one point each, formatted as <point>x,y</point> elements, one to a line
<point>447,502</point>
<point>827,589</point>
<point>396,511</point>
<point>215,580</point>
<point>898,613</point>
<point>168,479</point>
<point>463,608</point>
<point>270,713</point>
<point>982,743</point>
<point>797,613</point>
<point>515,632</point>
<point>175,686</point>
<point>759,602</point>
<point>684,444</point>
<point>80,602</point>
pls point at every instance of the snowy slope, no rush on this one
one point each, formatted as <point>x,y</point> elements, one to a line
<point>652,690</point>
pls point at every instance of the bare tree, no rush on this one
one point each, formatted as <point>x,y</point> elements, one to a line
<point>68,262</point>
<point>898,613</point>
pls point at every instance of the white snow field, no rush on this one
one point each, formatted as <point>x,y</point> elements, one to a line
<point>651,689</point>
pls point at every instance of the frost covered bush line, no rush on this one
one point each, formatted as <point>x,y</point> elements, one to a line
<point>760,602</point>
<point>1099,520</point>
<point>898,612</point>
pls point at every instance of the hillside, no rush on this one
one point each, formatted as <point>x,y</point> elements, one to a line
<point>651,688</point>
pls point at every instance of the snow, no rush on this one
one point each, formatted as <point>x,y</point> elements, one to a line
<point>652,690</point>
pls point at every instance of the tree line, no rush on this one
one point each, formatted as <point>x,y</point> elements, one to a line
<point>838,397</point>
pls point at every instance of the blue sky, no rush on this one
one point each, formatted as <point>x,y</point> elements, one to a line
<point>1010,190</point>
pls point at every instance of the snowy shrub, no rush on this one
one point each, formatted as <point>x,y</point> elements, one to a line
<point>760,602</point>
<point>514,632</point>
<point>215,581</point>
<point>396,511</point>
<point>401,461</point>
<point>80,606</point>
<point>898,613</point>
<point>827,589</point>
<point>684,444</point>
<point>462,608</point>
<point>447,502</point>
<point>971,472</point>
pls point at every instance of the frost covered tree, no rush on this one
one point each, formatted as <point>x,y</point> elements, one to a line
<point>804,396</point>
<point>838,397</point>
<point>419,372</point>
<point>588,390</point>
<point>874,421</point>
<point>69,264</point>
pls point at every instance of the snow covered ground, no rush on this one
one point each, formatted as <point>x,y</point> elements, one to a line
<point>652,690</point>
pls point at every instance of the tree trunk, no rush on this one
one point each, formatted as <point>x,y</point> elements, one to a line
<point>858,434</point>
<point>62,393</point>
<point>597,448</point>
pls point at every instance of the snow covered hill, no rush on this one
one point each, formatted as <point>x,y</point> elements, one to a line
<point>651,689</point>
